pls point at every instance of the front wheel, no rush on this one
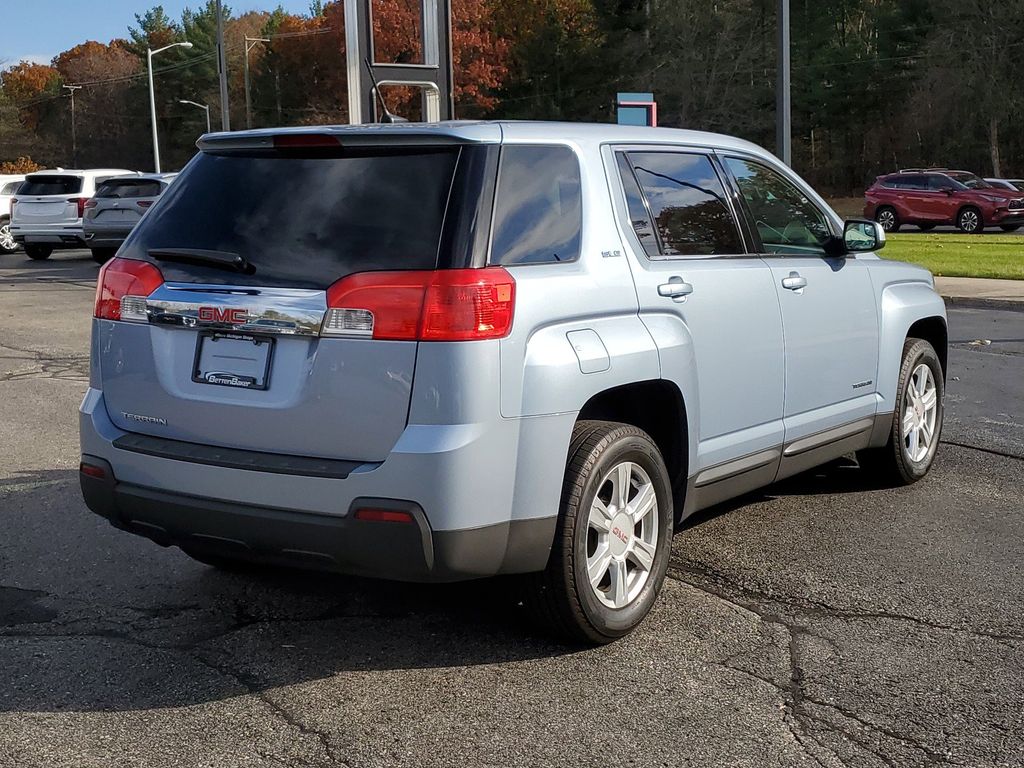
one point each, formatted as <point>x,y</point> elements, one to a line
<point>916,422</point>
<point>7,242</point>
<point>38,252</point>
<point>613,537</point>
<point>970,222</point>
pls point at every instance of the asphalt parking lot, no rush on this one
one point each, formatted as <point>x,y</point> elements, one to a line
<point>820,623</point>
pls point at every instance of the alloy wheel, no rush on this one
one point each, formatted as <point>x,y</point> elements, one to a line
<point>7,242</point>
<point>969,221</point>
<point>622,535</point>
<point>920,413</point>
<point>887,219</point>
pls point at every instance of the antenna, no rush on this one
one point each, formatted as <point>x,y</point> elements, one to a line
<point>388,116</point>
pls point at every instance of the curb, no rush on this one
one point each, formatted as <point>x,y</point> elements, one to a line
<point>976,302</point>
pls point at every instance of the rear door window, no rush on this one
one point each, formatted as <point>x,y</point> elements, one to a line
<point>124,188</point>
<point>51,185</point>
<point>538,214</point>
<point>303,221</point>
<point>687,202</point>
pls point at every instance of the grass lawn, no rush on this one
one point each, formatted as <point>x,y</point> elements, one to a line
<point>949,255</point>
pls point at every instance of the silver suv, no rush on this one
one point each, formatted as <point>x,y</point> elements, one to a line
<point>118,205</point>
<point>47,212</point>
<point>446,352</point>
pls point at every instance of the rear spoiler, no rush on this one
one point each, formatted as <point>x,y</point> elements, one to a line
<point>408,134</point>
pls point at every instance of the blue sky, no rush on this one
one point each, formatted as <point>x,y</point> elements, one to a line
<point>40,29</point>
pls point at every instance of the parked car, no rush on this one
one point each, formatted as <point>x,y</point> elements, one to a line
<point>115,209</point>
<point>8,186</point>
<point>49,206</point>
<point>1016,185</point>
<point>931,198</point>
<point>445,352</point>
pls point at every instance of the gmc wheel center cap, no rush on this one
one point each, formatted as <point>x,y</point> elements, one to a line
<point>622,533</point>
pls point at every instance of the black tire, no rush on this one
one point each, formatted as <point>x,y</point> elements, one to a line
<point>892,464</point>
<point>38,252</point>
<point>562,595</point>
<point>103,255</point>
<point>5,232</point>
<point>888,218</point>
<point>926,227</point>
<point>970,221</point>
<point>1009,227</point>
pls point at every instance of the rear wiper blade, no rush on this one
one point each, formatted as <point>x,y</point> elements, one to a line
<point>218,259</point>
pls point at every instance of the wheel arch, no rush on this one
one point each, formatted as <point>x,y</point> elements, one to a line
<point>933,330</point>
<point>658,408</point>
<point>907,308</point>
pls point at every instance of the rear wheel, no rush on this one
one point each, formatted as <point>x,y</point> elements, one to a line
<point>916,422</point>
<point>7,242</point>
<point>103,255</point>
<point>38,252</point>
<point>1010,227</point>
<point>970,222</point>
<point>614,533</point>
<point>888,218</point>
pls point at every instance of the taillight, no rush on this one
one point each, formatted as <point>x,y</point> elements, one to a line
<point>306,141</point>
<point>122,288</point>
<point>80,202</point>
<point>144,203</point>
<point>90,203</point>
<point>443,305</point>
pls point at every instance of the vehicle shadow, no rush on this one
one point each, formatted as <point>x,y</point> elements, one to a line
<point>93,619</point>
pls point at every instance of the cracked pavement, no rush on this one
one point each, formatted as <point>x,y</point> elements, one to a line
<point>821,622</point>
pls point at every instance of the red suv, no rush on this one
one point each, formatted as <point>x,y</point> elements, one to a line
<point>934,197</point>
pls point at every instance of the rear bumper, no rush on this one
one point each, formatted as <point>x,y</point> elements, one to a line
<point>457,486</point>
<point>56,235</point>
<point>105,237</point>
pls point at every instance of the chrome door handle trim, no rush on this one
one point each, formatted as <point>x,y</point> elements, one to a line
<point>795,282</point>
<point>676,288</point>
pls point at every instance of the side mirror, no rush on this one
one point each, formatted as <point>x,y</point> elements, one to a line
<point>863,236</point>
<point>949,190</point>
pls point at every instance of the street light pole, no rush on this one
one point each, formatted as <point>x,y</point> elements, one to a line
<point>222,69</point>
<point>783,89</point>
<point>74,138</point>
<point>204,107</point>
<point>150,53</point>
<point>250,43</point>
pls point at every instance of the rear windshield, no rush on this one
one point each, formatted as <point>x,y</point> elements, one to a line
<point>302,221</point>
<point>128,188</point>
<point>51,185</point>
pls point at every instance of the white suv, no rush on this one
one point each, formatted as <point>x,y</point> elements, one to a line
<point>47,212</point>
<point>8,186</point>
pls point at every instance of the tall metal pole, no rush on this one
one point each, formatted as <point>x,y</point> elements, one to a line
<point>74,139</point>
<point>222,67</point>
<point>250,43</point>
<point>783,89</point>
<point>204,107</point>
<point>152,111</point>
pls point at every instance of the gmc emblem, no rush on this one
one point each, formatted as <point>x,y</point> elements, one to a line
<point>226,315</point>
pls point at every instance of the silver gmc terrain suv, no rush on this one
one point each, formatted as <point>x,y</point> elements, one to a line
<point>445,352</point>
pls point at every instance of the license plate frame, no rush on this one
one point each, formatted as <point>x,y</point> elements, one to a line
<point>258,380</point>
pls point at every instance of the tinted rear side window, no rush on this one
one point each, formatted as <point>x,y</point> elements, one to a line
<point>303,221</point>
<point>51,185</point>
<point>128,188</point>
<point>10,187</point>
<point>538,212</point>
<point>687,201</point>
<point>639,216</point>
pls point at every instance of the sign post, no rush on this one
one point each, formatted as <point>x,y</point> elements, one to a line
<point>637,109</point>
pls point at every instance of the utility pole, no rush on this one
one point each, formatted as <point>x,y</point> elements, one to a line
<point>222,69</point>
<point>783,89</point>
<point>74,139</point>
<point>250,43</point>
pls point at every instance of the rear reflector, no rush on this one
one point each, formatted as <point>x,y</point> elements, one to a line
<point>305,141</point>
<point>384,516</point>
<point>442,305</point>
<point>144,203</point>
<point>122,288</point>
<point>91,470</point>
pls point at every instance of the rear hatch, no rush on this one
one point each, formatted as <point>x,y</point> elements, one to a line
<point>120,203</point>
<point>247,242</point>
<point>49,199</point>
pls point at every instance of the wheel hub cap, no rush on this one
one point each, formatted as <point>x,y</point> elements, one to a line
<point>622,535</point>
<point>920,413</point>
